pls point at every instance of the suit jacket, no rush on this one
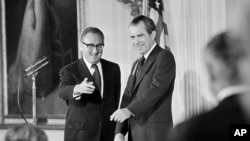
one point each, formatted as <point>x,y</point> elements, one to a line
<point>213,125</point>
<point>149,98</point>
<point>87,119</point>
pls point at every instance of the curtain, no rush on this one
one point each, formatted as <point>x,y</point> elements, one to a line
<point>191,24</point>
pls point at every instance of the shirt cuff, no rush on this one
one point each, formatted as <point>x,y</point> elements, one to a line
<point>76,95</point>
<point>131,113</point>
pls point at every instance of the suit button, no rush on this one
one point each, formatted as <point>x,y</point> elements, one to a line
<point>100,124</point>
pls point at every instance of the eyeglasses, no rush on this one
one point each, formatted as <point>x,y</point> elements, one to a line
<point>92,46</point>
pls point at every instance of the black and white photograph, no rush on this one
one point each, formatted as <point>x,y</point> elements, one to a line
<point>124,70</point>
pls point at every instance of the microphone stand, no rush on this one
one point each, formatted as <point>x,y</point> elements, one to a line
<point>34,72</point>
<point>34,97</point>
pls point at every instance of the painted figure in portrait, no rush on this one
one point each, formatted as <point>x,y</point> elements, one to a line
<point>37,28</point>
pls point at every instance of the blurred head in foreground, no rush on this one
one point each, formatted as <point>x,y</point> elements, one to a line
<point>222,57</point>
<point>240,25</point>
<point>25,133</point>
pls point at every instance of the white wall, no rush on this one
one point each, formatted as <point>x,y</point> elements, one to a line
<point>191,24</point>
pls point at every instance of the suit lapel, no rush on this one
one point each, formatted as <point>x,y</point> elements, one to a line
<point>105,73</point>
<point>132,78</point>
<point>84,71</point>
<point>147,65</point>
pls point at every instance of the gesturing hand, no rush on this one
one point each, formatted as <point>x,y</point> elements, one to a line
<point>85,87</point>
<point>120,115</point>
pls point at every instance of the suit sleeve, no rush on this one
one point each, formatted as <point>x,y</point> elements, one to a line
<point>123,127</point>
<point>67,84</point>
<point>118,85</point>
<point>162,80</point>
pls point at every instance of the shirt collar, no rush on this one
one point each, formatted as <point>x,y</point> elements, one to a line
<point>232,90</point>
<point>89,65</point>
<point>147,54</point>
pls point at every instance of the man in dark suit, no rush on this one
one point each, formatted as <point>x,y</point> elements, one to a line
<point>91,88</point>
<point>145,110</point>
<point>222,58</point>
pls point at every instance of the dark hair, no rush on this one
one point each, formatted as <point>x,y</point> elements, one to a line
<point>224,47</point>
<point>25,132</point>
<point>92,30</point>
<point>149,23</point>
<point>229,51</point>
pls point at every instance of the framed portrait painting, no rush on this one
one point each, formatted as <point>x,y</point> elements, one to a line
<point>31,30</point>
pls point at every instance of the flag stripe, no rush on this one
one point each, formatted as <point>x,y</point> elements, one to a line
<point>165,27</point>
<point>157,14</point>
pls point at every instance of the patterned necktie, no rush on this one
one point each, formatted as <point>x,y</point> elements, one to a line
<point>97,77</point>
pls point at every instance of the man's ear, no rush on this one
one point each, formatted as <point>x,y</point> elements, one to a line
<point>153,34</point>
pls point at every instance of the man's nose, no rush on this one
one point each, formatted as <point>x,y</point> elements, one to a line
<point>94,50</point>
<point>136,40</point>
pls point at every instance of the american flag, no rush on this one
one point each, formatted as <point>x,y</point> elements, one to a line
<point>156,13</point>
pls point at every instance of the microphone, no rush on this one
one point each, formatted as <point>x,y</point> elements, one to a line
<point>36,66</point>
<point>37,63</point>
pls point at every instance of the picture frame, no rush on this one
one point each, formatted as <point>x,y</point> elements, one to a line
<point>62,39</point>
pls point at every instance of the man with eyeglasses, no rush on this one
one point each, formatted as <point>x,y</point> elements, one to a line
<point>91,88</point>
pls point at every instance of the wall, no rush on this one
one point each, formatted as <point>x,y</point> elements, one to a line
<point>191,24</point>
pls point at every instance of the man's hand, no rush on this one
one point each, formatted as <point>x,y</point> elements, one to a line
<point>119,137</point>
<point>85,87</point>
<point>120,115</point>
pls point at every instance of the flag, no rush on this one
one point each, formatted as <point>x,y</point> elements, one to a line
<point>156,13</point>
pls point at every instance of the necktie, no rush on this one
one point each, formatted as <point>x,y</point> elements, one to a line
<point>140,65</point>
<point>97,77</point>
<point>138,69</point>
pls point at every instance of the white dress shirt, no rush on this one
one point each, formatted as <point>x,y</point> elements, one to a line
<point>147,54</point>
<point>92,70</point>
